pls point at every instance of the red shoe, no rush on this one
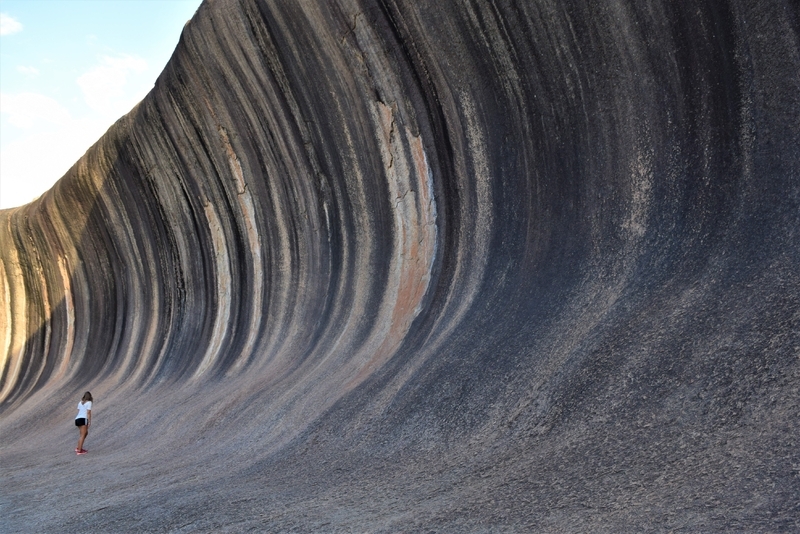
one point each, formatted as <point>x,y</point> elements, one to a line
<point>82,451</point>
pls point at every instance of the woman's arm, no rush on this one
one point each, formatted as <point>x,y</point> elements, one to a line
<point>88,417</point>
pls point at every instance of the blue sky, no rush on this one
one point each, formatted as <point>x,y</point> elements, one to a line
<point>68,70</point>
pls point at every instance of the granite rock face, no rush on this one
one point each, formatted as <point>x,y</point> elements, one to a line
<point>393,266</point>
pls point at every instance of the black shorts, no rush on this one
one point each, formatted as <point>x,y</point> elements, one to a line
<point>80,422</point>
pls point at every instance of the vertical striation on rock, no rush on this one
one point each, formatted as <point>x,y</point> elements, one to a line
<point>382,265</point>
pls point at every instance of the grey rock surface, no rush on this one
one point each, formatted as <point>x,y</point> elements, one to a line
<point>384,266</point>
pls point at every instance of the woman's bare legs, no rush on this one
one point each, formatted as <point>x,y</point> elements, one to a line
<point>84,432</point>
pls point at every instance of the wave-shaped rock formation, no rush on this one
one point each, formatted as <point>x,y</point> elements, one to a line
<point>360,265</point>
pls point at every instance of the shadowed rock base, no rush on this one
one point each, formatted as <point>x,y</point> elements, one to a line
<point>380,266</point>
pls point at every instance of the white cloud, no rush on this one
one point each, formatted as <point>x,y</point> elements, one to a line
<point>31,165</point>
<point>30,71</point>
<point>29,110</point>
<point>51,142</point>
<point>9,24</point>
<point>105,87</point>
<point>52,137</point>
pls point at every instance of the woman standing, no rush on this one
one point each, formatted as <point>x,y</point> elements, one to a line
<point>83,420</point>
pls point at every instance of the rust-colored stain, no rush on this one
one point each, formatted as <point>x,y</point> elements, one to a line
<point>416,234</point>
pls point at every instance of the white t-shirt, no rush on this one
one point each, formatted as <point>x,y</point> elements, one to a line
<point>83,407</point>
